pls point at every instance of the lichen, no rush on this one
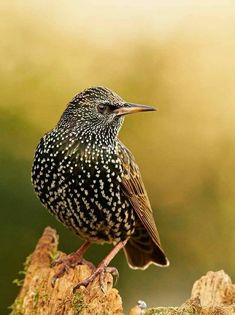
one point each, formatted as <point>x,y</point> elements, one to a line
<point>78,303</point>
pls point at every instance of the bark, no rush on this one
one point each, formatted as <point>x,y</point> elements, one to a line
<point>212,294</point>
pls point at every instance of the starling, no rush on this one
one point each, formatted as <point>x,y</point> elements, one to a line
<point>87,179</point>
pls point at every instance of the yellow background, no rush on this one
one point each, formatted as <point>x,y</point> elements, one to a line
<point>177,55</point>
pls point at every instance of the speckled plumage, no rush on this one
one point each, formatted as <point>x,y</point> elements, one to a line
<point>80,174</point>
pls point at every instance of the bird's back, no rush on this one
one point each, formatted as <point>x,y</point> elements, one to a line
<point>144,247</point>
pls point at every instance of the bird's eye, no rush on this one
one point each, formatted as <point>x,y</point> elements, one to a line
<point>101,108</point>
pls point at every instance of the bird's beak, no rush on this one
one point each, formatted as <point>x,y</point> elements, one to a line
<point>130,108</point>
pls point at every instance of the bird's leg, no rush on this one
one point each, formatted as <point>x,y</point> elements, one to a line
<point>103,267</point>
<point>74,258</point>
<point>71,261</point>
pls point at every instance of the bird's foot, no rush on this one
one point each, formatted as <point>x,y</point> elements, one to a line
<point>102,268</point>
<point>99,272</point>
<point>71,261</point>
<point>66,263</point>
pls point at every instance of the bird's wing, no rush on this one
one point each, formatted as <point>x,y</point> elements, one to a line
<point>133,188</point>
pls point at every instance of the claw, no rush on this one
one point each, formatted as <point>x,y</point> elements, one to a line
<point>99,272</point>
<point>102,268</point>
<point>58,262</point>
<point>77,258</point>
<point>66,265</point>
<point>70,261</point>
<point>114,272</point>
<point>103,287</point>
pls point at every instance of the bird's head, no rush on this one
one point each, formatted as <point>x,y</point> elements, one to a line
<point>99,110</point>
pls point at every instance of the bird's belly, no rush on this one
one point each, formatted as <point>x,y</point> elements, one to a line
<point>95,218</point>
<point>91,207</point>
<point>101,220</point>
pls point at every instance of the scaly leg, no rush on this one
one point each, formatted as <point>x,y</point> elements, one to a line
<point>103,267</point>
<point>71,261</point>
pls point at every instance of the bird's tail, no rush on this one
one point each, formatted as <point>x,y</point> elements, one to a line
<point>141,251</point>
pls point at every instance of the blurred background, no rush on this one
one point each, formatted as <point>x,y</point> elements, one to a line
<point>177,55</point>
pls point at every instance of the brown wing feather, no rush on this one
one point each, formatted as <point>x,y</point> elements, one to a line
<point>133,188</point>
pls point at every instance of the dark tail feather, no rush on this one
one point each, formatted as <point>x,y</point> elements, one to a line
<point>141,251</point>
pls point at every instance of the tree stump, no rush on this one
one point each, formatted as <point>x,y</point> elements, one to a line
<point>212,294</point>
<point>37,297</point>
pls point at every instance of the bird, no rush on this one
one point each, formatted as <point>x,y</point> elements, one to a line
<point>89,180</point>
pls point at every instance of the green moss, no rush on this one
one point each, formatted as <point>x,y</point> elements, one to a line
<point>35,299</point>
<point>19,282</point>
<point>16,307</point>
<point>53,254</point>
<point>45,298</point>
<point>27,263</point>
<point>163,311</point>
<point>78,303</point>
<point>191,310</point>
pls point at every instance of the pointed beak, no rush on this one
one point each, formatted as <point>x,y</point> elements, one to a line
<point>130,108</point>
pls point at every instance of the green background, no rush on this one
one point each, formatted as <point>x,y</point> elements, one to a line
<point>179,57</point>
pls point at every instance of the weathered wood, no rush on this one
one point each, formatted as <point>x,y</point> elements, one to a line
<point>37,297</point>
<point>213,294</point>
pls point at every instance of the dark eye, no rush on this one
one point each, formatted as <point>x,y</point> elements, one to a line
<point>101,108</point>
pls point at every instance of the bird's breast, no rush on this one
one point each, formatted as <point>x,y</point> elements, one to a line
<point>80,183</point>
